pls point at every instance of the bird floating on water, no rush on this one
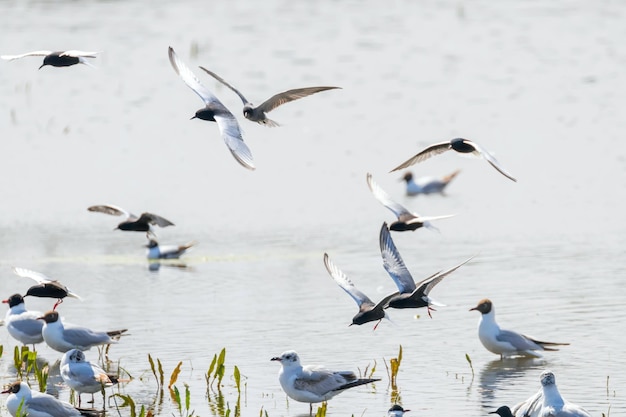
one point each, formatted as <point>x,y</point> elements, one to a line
<point>157,251</point>
<point>57,59</point>
<point>427,185</point>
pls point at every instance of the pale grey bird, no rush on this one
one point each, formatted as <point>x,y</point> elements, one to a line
<point>35,404</point>
<point>257,114</point>
<point>22,324</point>
<point>215,111</point>
<point>157,251</point>
<point>57,59</point>
<point>460,145</point>
<point>83,376</point>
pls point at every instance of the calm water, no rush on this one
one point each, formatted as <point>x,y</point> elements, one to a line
<point>541,85</point>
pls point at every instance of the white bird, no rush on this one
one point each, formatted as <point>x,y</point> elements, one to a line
<point>427,185</point>
<point>156,251</point>
<point>312,383</point>
<point>63,337</point>
<point>406,219</point>
<point>460,145</point>
<point>22,324</point>
<point>411,295</point>
<point>57,59</point>
<point>396,410</point>
<point>35,404</point>
<point>81,375</point>
<point>506,342</point>
<point>46,287</point>
<point>548,402</point>
<point>215,111</point>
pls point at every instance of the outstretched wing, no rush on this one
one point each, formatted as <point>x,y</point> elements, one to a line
<point>393,263</point>
<point>344,282</point>
<point>231,133</point>
<point>34,53</point>
<point>380,194</point>
<point>290,95</point>
<point>155,220</point>
<point>113,211</point>
<point>432,150</point>
<point>79,54</point>
<point>36,276</point>
<point>429,283</point>
<point>192,82</point>
<point>492,160</point>
<point>220,79</point>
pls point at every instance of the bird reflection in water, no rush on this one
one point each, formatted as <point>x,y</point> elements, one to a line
<point>499,375</point>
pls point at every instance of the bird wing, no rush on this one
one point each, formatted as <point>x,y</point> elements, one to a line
<point>393,263</point>
<point>79,54</point>
<point>27,323</point>
<point>517,340</point>
<point>34,53</point>
<point>231,133</point>
<point>320,381</point>
<point>432,150</point>
<point>45,404</point>
<point>424,287</point>
<point>81,336</point>
<point>154,219</point>
<point>37,276</point>
<point>344,282</point>
<point>380,195</point>
<point>530,407</point>
<point>492,160</point>
<point>220,79</point>
<point>192,82</point>
<point>290,95</point>
<point>113,211</point>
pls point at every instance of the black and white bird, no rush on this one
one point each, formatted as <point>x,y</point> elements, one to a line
<point>406,220</point>
<point>57,59</point>
<point>411,295</point>
<point>503,411</point>
<point>257,114</point>
<point>131,222</point>
<point>35,404</point>
<point>22,324</point>
<point>457,144</point>
<point>313,383</point>
<point>157,251</point>
<point>215,111</point>
<point>396,410</point>
<point>46,287</point>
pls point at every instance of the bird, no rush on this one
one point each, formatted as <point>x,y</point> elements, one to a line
<point>46,287</point>
<point>63,337</point>
<point>57,59</point>
<point>313,383</point>
<point>22,401</point>
<point>156,251</point>
<point>257,114</point>
<point>548,402</point>
<point>406,219</point>
<point>215,111</point>
<point>460,145</point>
<point>506,342</point>
<point>83,376</point>
<point>427,185</point>
<point>368,311</point>
<point>411,295</point>
<point>131,222</point>
<point>22,324</point>
<point>503,411</point>
<point>396,410</point>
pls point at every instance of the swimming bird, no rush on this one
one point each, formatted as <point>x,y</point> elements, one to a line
<point>63,337</point>
<point>548,402</point>
<point>215,111</point>
<point>411,295</point>
<point>22,324</point>
<point>313,383</point>
<point>131,222</point>
<point>83,376</point>
<point>427,185</point>
<point>257,114</point>
<point>368,311</point>
<point>35,404</point>
<point>57,59</point>
<point>406,219</point>
<point>396,410</point>
<point>46,287</point>
<point>503,411</point>
<point>460,145</point>
<point>156,251</point>
<point>506,342</point>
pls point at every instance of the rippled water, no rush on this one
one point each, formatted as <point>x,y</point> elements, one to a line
<point>541,85</point>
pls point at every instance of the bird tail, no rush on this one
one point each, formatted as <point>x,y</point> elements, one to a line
<point>545,345</point>
<point>356,383</point>
<point>84,61</point>
<point>269,123</point>
<point>450,177</point>
<point>116,334</point>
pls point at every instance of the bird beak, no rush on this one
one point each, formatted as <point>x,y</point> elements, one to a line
<point>6,391</point>
<point>193,117</point>
<point>5,301</point>
<point>42,65</point>
<point>276,358</point>
<point>473,308</point>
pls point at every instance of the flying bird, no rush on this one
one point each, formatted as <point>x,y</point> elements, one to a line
<point>257,114</point>
<point>57,59</point>
<point>46,287</point>
<point>406,219</point>
<point>215,111</point>
<point>460,145</point>
<point>368,310</point>
<point>427,185</point>
<point>131,222</point>
<point>506,342</point>
<point>411,295</point>
<point>312,383</point>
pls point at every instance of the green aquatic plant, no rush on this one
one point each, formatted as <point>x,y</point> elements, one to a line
<point>321,410</point>
<point>130,403</point>
<point>394,368</point>
<point>216,368</point>
<point>183,411</point>
<point>159,376</point>
<point>469,360</point>
<point>237,377</point>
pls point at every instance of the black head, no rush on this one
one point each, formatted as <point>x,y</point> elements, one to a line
<point>462,145</point>
<point>205,114</point>
<point>399,226</point>
<point>14,300</point>
<point>152,244</point>
<point>408,176</point>
<point>503,411</point>
<point>484,306</point>
<point>49,317</point>
<point>13,388</point>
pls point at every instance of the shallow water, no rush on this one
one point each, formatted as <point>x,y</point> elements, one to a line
<point>539,85</point>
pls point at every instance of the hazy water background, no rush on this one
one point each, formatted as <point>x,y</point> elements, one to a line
<point>540,84</point>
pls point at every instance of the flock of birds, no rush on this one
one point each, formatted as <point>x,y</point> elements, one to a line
<point>308,384</point>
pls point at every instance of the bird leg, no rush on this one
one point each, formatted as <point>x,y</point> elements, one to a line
<point>377,324</point>
<point>429,310</point>
<point>59,301</point>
